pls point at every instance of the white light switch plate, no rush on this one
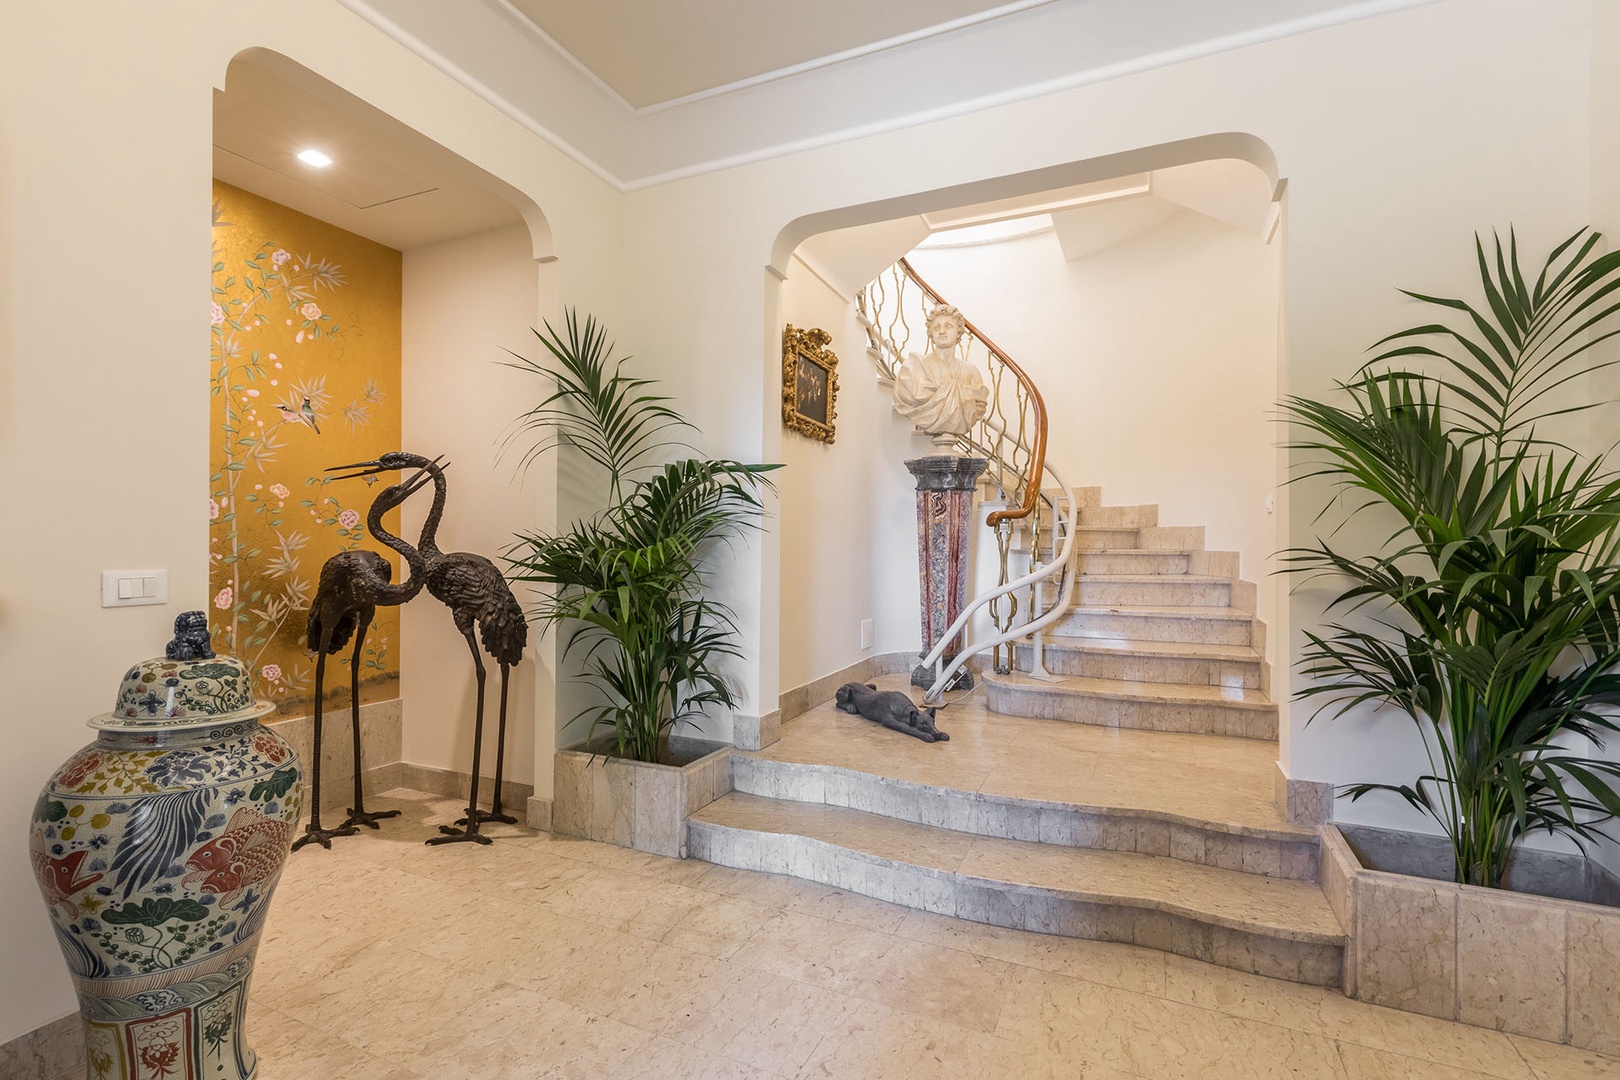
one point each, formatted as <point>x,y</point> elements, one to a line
<point>866,633</point>
<point>129,588</point>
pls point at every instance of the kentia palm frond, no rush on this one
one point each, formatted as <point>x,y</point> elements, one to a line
<point>1495,603</point>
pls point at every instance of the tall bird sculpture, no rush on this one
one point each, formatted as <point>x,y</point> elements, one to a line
<point>352,585</point>
<point>476,591</point>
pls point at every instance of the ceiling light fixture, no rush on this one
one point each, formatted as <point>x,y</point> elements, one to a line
<point>315,158</point>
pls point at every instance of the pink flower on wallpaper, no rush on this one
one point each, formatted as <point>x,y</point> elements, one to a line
<point>310,310</point>
<point>223,599</point>
<point>271,672</point>
<point>216,314</point>
<point>213,510</point>
<point>349,518</point>
<point>279,257</point>
<point>279,490</point>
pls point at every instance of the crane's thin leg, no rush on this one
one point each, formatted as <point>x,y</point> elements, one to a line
<point>357,813</point>
<point>451,833</point>
<point>313,831</point>
<point>494,811</point>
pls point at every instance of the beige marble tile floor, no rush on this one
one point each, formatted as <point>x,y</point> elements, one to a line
<point>547,957</point>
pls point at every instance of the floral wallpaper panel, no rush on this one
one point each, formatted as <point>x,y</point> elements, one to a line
<point>305,374</point>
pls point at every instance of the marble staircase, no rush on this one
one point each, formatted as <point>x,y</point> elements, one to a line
<point>1127,797</point>
<point>1167,840</point>
<point>1160,634</point>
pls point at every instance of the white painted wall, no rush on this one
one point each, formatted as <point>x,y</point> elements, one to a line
<point>846,516</point>
<point>1157,358</point>
<point>104,238</point>
<point>466,302</point>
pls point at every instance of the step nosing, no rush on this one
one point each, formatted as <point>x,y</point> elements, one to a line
<point>1156,693</point>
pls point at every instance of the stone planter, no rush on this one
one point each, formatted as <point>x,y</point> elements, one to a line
<point>157,849</point>
<point>1538,965</point>
<point>637,804</point>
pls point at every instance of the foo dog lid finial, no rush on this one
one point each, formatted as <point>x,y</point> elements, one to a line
<point>187,687</point>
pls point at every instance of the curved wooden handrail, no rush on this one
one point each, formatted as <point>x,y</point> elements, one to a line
<point>1037,452</point>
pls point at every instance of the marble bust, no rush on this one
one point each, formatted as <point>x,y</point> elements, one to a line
<point>938,391</point>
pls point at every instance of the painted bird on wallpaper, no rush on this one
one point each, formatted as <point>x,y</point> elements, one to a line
<point>352,585</point>
<point>305,415</point>
<point>476,592</point>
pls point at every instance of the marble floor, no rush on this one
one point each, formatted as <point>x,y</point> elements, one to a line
<point>547,957</point>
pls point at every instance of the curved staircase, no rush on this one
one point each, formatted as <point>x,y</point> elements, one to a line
<point>1159,635</point>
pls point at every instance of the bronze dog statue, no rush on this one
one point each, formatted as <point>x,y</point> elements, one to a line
<point>891,708</point>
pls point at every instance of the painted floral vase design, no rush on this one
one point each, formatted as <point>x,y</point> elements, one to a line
<point>157,848</point>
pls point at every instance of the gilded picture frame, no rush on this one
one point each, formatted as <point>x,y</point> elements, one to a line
<point>809,383</point>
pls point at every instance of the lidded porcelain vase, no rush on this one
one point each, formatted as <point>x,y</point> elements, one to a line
<point>157,848</point>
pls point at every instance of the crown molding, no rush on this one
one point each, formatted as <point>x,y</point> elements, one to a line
<point>1035,48</point>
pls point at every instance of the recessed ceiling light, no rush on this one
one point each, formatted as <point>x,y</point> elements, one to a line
<point>315,158</point>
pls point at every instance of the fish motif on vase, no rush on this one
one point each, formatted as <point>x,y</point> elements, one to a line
<point>250,849</point>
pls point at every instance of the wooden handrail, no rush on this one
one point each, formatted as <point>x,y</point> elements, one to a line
<point>1037,452</point>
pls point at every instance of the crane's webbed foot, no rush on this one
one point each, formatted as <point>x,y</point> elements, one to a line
<point>323,837</point>
<point>368,818</point>
<point>453,836</point>
<point>490,815</point>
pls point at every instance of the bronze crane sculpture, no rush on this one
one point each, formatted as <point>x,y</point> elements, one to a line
<point>476,591</point>
<point>353,584</point>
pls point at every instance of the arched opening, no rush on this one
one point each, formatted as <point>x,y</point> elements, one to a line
<point>1140,291</point>
<point>398,275</point>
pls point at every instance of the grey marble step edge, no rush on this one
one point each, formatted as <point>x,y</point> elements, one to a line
<point>1289,852</point>
<point>1081,707</point>
<point>1275,952</point>
<point>1076,687</point>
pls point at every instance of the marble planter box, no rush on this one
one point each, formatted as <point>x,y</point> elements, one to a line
<point>1538,965</point>
<point>637,804</point>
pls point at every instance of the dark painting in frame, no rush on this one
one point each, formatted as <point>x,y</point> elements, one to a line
<point>809,383</point>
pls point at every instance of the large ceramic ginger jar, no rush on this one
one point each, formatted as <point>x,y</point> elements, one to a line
<point>157,848</point>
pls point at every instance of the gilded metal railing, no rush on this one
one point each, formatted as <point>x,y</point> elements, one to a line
<point>1011,437</point>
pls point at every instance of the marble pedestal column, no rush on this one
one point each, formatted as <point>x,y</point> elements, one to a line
<point>944,507</point>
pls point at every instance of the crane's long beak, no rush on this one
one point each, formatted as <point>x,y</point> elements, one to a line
<point>409,487</point>
<point>371,468</point>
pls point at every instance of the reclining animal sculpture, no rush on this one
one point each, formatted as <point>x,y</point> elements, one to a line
<point>891,708</point>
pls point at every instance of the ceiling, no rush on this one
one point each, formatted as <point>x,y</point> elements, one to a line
<point>386,182</point>
<point>645,93</point>
<point>652,54</point>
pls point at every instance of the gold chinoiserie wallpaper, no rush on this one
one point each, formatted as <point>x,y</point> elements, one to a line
<point>305,374</point>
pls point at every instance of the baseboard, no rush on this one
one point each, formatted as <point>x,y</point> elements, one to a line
<point>801,699</point>
<point>453,785</point>
<point>381,739</point>
<point>539,814</point>
<point>46,1053</point>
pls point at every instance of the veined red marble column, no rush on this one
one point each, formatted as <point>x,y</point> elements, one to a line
<point>944,509</point>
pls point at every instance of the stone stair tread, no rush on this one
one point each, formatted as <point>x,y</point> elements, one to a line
<point>1180,649</point>
<point>1293,910</point>
<point>1148,611</point>
<point>1220,781</point>
<point>1154,579</point>
<point>1170,693</point>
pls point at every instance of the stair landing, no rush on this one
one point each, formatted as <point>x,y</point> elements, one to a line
<point>1205,778</point>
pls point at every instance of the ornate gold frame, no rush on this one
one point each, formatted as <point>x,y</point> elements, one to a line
<point>808,347</point>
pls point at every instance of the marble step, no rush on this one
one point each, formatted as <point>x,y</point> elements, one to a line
<point>1269,926</point>
<point>1152,590</point>
<point>1208,710</point>
<point>1090,816</point>
<point>1115,537</point>
<point>1108,517</point>
<point>1202,625</point>
<point>1151,661</point>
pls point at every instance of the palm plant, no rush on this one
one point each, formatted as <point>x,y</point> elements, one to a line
<point>1495,604</point>
<point>631,576</point>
